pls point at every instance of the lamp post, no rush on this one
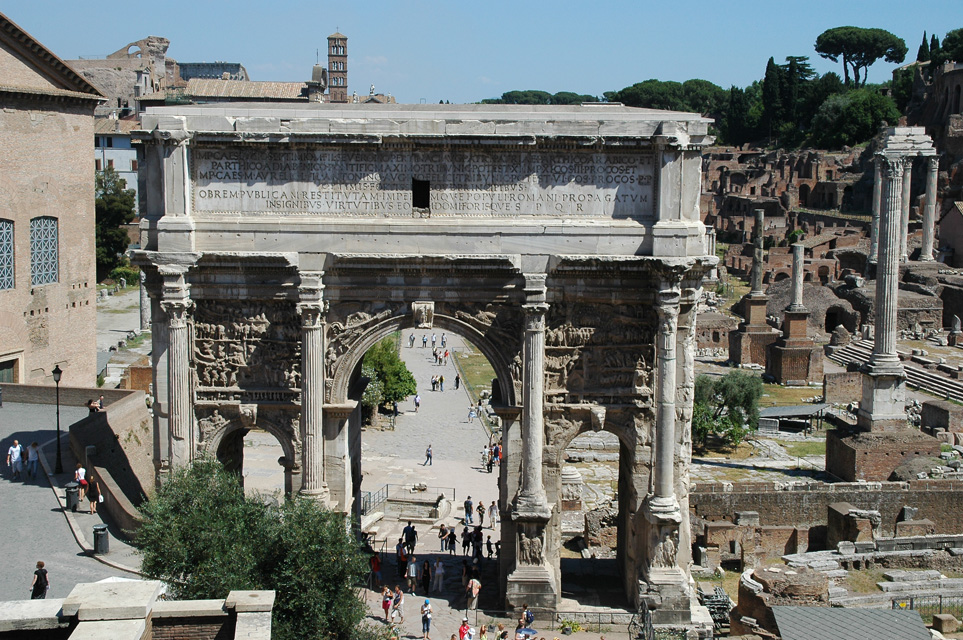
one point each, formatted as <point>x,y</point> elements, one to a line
<point>56,375</point>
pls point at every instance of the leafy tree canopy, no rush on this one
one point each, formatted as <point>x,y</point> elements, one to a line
<point>396,380</point>
<point>951,49</point>
<point>852,117</point>
<point>202,537</point>
<point>859,48</point>
<point>533,96</point>
<point>699,96</point>
<point>114,207</point>
<point>726,407</point>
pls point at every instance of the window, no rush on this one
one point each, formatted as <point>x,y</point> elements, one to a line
<point>97,165</point>
<point>110,142</point>
<point>6,254</point>
<point>8,371</point>
<point>110,163</point>
<point>44,254</point>
<point>133,165</point>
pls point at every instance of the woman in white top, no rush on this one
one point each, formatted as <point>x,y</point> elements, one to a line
<point>81,479</point>
<point>438,580</point>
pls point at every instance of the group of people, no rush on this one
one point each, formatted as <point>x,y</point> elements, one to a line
<point>491,456</point>
<point>437,383</point>
<point>441,357</point>
<point>16,455</point>
<point>480,510</point>
<point>88,488</point>
<point>472,542</point>
<point>424,340</point>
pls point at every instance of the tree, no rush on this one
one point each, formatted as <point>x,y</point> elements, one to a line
<point>934,46</point>
<point>859,48</point>
<point>726,407</point>
<point>113,207</point>
<point>851,118</point>
<point>772,97</point>
<point>923,53</point>
<point>951,49</point>
<point>203,538</point>
<point>396,381</point>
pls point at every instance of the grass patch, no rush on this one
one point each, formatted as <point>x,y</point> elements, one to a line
<point>777,394</point>
<point>729,582</point>
<point>946,448</point>
<point>138,341</point>
<point>717,451</point>
<point>476,372</point>
<point>803,449</point>
<point>863,581</point>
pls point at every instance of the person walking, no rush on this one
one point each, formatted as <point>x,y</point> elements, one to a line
<point>493,514</point>
<point>412,574</point>
<point>490,548</point>
<point>465,541</point>
<point>93,493</point>
<point>443,536</point>
<point>401,557</point>
<point>447,354</point>
<point>444,340</point>
<point>410,535</point>
<point>481,513</point>
<point>424,341</point>
<point>472,591</point>
<point>386,598</point>
<point>33,459</point>
<point>80,477</point>
<point>452,541</point>
<point>471,413</point>
<point>469,506</point>
<point>438,577</point>
<point>425,576</point>
<point>433,340</point>
<point>411,341</point>
<point>457,381</point>
<point>426,619</point>
<point>15,459</point>
<point>417,402</point>
<point>40,584</point>
<point>398,605</point>
<point>441,383</point>
<point>427,456</point>
<point>375,563</point>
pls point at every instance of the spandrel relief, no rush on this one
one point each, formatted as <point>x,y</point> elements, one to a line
<point>246,345</point>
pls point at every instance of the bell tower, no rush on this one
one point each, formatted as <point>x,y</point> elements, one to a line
<point>338,67</point>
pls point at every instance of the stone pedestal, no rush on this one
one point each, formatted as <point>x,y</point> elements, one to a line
<point>534,586</point>
<point>749,343</point>
<point>794,359</point>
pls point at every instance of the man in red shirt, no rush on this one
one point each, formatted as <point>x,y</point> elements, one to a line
<point>463,629</point>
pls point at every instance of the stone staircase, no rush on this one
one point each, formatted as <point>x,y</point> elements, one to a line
<point>916,376</point>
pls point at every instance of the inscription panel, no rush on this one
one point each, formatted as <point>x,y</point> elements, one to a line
<point>344,182</point>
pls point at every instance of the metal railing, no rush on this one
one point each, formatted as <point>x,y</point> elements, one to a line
<point>370,501</point>
<point>928,606</point>
<point>638,625</point>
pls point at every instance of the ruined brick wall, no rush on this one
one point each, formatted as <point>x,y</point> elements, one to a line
<point>842,388</point>
<point>807,506</point>
<point>874,457</point>
<point>940,414</point>
<point>221,628</point>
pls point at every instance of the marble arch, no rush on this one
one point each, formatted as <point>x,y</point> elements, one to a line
<point>280,242</point>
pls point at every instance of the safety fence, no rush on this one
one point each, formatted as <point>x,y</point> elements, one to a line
<point>928,606</point>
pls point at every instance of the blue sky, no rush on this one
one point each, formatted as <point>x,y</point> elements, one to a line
<point>465,51</point>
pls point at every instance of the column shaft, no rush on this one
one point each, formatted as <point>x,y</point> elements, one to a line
<point>877,198</point>
<point>665,413</point>
<point>312,400</point>
<point>905,208</point>
<point>929,212</point>
<point>179,419</point>
<point>798,271</point>
<point>532,495</point>
<point>887,274</point>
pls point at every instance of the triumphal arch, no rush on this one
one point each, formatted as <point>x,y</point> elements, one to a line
<point>281,242</point>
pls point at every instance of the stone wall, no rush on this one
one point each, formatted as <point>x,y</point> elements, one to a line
<point>874,456</point>
<point>941,414</point>
<point>842,388</point>
<point>806,505</point>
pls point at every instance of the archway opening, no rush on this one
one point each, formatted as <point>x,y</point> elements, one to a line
<point>592,520</point>
<point>397,483</point>
<point>837,315</point>
<point>257,457</point>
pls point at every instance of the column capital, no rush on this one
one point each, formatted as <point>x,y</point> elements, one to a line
<point>535,315</point>
<point>177,311</point>
<point>933,163</point>
<point>535,288</point>
<point>891,165</point>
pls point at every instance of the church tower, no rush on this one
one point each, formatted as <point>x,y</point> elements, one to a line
<point>338,67</point>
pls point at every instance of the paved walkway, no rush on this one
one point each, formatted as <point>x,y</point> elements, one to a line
<point>34,526</point>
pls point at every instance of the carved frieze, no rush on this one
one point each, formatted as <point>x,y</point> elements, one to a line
<point>246,347</point>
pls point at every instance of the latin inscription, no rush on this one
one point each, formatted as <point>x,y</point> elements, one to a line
<point>379,183</point>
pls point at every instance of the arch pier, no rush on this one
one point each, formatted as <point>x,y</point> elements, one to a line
<point>280,244</point>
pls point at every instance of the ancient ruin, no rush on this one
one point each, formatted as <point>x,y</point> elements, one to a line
<point>281,243</point>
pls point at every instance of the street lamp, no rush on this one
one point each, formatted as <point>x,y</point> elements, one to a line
<point>56,374</point>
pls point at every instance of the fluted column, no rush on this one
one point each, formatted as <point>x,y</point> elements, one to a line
<point>887,274</point>
<point>179,419</point>
<point>668,310</point>
<point>905,208</point>
<point>144,303</point>
<point>532,500</point>
<point>798,269</point>
<point>877,199</point>
<point>757,254</point>
<point>929,212</point>
<point>311,310</point>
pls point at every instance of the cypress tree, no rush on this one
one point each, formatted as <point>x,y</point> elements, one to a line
<point>923,54</point>
<point>934,46</point>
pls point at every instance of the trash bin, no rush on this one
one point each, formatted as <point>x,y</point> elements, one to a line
<point>101,539</point>
<point>73,495</point>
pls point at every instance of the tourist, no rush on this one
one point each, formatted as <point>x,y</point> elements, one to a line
<point>417,402</point>
<point>92,406</point>
<point>411,341</point>
<point>375,563</point>
<point>398,605</point>
<point>426,618</point>
<point>472,591</point>
<point>469,505</point>
<point>33,459</point>
<point>481,513</point>
<point>463,630</point>
<point>465,541</point>
<point>502,632</point>
<point>40,584</point>
<point>471,414</point>
<point>465,573</point>
<point>483,632</point>
<point>15,459</point>
<point>401,557</point>
<point>527,616</point>
<point>441,383</point>
<point>80,478</point>
<point>427,456</point>
<point>438,576</point>
<point>443,536</point>
<point>412,574</point>
<point>386,598</point>
<point>493,513</point>
<point>100,403</point>
<point>489,547</point>
<point>444,341</point>
<point>447,354</point>
<point>490,462</point>
<point>434,382</point>
<point>433,340</point>
<point>452,541</point>
<point>425,576</point>
<point>457,381</point>
<point>411,537</point>
<point>93,494</point>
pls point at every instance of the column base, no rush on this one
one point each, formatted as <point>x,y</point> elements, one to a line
<point>534,586</point>
<point>666,592</point>
<point>881,407</point>
<point>322,495</point>
<point>531,509</point>
<point>663,511</point>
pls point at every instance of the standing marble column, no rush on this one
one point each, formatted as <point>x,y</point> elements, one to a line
<point>929,212</point>
<point>180,422</point>
<point>311,309</point>
<point>757,254</point>
<point>664,503</point>
<point>532,500</point>
<point>877,198</point>
<point>887,274</point>
<point>144,303</point>
<point>905,208</point>
<point>798,269</point>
